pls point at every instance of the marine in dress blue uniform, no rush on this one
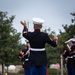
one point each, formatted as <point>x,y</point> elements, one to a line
<point>38,39</point>
<point>68,60</point>
<point>73,55</point>
<point>70,55</point>
<point>24,57</point>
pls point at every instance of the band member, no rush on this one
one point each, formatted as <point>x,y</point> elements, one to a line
<point>24,57</point>
<point>68,60</point>
<point>73,55</point>
<point>69,56</point>
<point>38,39</point>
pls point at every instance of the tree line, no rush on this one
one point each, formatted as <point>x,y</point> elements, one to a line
<point>10,40</point>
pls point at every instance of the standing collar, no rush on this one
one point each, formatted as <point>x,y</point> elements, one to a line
<point>37,30</point>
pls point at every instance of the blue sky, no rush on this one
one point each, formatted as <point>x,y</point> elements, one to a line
<point>54,12</point>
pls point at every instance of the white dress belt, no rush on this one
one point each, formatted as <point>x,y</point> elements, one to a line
<point>37,49</point>
<point>70,57</point>
<point>26,59</point>
<point>73,55</point>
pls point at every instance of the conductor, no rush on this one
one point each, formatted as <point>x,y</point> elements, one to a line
<point>38,39</point>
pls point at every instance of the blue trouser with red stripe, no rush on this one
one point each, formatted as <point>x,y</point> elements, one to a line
<point>38,70</point>
<point>71,71</point>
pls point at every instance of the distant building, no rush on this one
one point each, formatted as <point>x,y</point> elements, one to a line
<point>55,66</point>
<point>11,67</point>
<point>18,67</point>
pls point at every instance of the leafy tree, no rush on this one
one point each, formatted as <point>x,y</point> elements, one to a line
<point>69,31</point>
<point>54,54</point>
<point>10,43</point>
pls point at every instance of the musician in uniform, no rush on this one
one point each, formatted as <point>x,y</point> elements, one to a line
<point>38,39</point>
<point>68,60</point>
<point>69,56</point>
<point>24,57</point>
<point>73,55</point>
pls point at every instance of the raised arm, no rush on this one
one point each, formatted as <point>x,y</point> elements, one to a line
<point>25,30</point>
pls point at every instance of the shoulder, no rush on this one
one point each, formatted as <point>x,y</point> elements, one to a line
<point>44,33</point>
